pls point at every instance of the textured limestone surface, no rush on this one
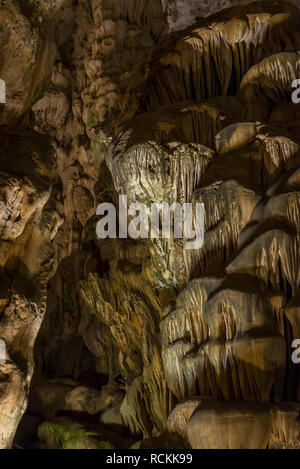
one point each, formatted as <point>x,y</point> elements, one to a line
<point>121,343</point>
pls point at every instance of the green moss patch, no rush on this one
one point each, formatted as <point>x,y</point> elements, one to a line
<point>62,433</point>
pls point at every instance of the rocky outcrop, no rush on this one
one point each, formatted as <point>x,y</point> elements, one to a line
<point>226,335</point>
<point>206,424</point>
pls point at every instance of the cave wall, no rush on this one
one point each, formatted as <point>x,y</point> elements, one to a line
<point>116,97</point>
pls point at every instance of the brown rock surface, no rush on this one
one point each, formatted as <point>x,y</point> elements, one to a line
<point>114,97</point>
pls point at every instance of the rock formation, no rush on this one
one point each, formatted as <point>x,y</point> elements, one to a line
<point>142,343</point>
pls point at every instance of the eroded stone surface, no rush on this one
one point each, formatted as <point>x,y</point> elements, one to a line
<point>108,98</point>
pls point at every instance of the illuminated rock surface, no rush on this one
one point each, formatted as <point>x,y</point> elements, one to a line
<point>143,343</point>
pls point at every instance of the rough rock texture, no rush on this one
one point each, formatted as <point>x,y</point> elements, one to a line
<point>109,97</point>
<point>28,223</point>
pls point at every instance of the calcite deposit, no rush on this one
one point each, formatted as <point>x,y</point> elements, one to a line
<point>143,343</point>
